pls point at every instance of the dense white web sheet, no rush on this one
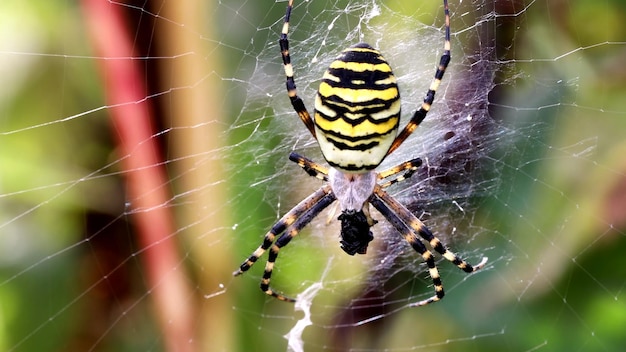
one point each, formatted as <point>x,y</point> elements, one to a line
<point>523,154</point>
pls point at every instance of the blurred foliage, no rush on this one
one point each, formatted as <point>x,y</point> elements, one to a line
<point>53,196</point>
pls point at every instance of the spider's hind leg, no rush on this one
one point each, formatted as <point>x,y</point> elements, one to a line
<point>296,101</point>
<point>420,114</point>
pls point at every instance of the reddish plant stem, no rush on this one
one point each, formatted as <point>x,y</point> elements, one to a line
<point>147,185</point>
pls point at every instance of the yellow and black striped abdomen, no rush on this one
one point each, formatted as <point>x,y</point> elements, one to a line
<point>357,110</point>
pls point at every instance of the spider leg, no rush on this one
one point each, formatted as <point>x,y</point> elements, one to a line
<point>287,220</point>
<point>420,114</point>
<point>296,102</point>
<point>408,167</point>
<point>310,167</point>
<point>418,227</point>
<point>408,225</point>
<point>283,240</point>
<point>291,223</point>
<point>417,245</point>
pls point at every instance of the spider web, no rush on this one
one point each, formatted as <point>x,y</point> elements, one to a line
<point>523,163</point>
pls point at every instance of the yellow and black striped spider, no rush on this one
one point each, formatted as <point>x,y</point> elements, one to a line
<point>356,118</point>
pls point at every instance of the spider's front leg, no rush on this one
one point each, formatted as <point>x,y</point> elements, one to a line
<point>417,245</point>
<point>287,220</point>
<point>282,241</point>
<point>409,226</point>
<point>291,224</point>
<point>419,228</point>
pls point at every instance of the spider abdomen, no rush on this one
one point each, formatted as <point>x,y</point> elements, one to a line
<point>357,110</point>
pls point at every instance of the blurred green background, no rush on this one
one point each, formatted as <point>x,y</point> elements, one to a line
<point>71,277</point>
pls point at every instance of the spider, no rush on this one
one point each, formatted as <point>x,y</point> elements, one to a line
<point>355,122</point>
